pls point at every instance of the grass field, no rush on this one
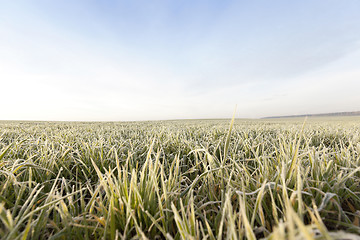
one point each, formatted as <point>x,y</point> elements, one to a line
<point>190,179</point>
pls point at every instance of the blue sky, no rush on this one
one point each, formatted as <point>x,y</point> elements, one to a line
<point>145,60</point>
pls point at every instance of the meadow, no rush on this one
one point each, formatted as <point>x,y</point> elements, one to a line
<point>185,179</point>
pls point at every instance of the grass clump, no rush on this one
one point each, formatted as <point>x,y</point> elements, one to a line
<point>193,179</point>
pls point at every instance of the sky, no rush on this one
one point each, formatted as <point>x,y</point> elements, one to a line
<point>153,60</point>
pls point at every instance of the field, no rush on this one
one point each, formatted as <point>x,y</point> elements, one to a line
<point>189,179</point>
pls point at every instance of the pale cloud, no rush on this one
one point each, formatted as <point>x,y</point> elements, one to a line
<point>167,62</point>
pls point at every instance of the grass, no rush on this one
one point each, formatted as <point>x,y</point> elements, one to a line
<point>193,179</point>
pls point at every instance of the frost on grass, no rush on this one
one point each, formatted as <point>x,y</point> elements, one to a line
<point>195,179</point>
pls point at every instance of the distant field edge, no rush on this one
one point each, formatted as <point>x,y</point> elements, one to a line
<point>335,114</point>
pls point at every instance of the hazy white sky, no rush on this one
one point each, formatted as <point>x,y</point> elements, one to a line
<point>144,60</point>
